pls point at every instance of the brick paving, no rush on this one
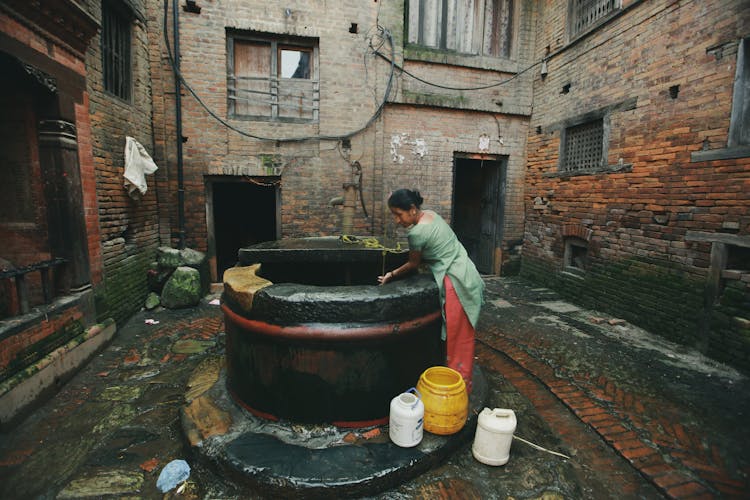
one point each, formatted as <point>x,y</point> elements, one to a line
<point>664,439</point>
<point>637,421</point>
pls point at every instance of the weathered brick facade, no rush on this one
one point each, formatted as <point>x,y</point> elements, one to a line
<point>129,231</point>
<point>51,258</point>
<point>664,221</point>
<point>413,143</point>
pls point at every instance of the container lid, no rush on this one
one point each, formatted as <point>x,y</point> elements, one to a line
<point>498,420</point>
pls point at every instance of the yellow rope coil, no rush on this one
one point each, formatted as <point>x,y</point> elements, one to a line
<point>371,243</point>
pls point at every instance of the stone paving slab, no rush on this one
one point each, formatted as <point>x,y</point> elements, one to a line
<point>678,418</point>
<point>638,417</point>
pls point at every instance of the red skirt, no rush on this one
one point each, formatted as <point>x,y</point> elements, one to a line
<point>459,335</point>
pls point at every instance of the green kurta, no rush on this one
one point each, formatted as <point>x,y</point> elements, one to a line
<point>442,251</point>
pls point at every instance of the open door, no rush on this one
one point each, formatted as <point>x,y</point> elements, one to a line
<point>243,212</point>
<point>477,207</point>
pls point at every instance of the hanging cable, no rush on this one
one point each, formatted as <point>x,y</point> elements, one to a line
<point>383,32</point>
<point>447,87</point>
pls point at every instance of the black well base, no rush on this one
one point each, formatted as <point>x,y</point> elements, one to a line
<point>312,461</point>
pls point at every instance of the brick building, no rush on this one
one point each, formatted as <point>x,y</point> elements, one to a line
<point>638,166</point>
<point>609,137</point>
<point>310,106</point>
<point>75,246</point>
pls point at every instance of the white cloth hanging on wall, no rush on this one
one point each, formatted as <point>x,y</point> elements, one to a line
<point>138,164</point>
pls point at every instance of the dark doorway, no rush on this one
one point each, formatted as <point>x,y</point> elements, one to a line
<point>244,213</point>
<point>477,208</point>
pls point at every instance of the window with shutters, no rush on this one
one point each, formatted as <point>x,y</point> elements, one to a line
<point>271,78</point>
<point>583,15</point>
<point>115,44</point>
<point>482,27</point>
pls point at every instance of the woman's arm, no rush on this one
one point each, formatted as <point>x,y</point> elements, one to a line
<point>415,259</point>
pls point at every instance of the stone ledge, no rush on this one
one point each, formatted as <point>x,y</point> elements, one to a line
<point>24,389</point>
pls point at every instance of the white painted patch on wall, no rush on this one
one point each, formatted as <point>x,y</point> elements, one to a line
<point>484,143</point>
<point>397,140</point>
<point>420,148</point>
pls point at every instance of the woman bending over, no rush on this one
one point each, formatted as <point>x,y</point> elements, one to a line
<point>461,288</point>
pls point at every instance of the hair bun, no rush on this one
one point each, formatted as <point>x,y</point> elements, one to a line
<point>417,198</point>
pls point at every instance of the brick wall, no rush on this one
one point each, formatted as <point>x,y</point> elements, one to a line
<point>429,167</point>
<point>353,82</point>
<point>128,229</point>
<point>663,73</point>
<point>21,350</point>
<point>26,339</point>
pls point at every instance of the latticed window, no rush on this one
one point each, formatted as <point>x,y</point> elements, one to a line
<point>273,78</point>
<point>116,40</point>
<point>583,14</point>
<point>583,146</point>
<point>466,26</point>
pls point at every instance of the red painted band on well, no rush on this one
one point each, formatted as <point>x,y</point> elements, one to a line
<point>329,331</point>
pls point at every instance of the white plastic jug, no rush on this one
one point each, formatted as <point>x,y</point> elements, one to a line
<point>494,436</point>
<point>406,419</point>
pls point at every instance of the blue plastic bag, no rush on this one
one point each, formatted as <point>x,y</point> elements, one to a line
<point>173,474</point>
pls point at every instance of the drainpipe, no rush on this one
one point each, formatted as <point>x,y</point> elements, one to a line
<point>178,128</point>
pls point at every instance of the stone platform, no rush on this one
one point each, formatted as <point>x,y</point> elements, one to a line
<point>281,458</point>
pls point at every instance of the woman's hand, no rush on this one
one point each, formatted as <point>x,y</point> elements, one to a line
<point>385,278</point>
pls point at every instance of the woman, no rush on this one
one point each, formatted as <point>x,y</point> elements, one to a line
<point>461,288</point>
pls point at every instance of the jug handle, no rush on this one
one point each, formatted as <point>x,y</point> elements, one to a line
<point>415,391</point>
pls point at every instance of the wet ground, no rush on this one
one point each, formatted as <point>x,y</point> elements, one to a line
<point>637,417</point>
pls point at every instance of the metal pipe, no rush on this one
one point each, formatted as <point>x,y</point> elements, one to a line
<point>350,201</point>
<point>178,127</point>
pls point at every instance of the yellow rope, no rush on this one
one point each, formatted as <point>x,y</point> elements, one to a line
<point>372,243</point>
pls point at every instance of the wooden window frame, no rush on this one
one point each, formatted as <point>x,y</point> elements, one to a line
<point>482,43</point>
<point>117,50</point>
<point>572,243</point>
<point>276,104</point>
<point>739,122</point>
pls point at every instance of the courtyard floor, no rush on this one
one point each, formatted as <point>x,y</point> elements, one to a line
<point>637,416</point>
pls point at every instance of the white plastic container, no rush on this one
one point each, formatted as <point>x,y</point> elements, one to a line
<point>406,419</point>
<point>494,436</point>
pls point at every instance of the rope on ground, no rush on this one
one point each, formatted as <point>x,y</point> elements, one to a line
<point>540,448</point>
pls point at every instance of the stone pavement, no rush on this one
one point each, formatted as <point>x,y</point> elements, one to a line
<point>638,417</point>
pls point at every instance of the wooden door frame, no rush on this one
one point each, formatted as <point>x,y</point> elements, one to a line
<point>502,165</point>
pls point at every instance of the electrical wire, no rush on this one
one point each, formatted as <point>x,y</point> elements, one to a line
<point>447,87</point>
<point>383,31</point>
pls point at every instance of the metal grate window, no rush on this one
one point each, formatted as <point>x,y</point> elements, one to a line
<point>586,13</point>
<point>584,146</point>
<point>116,62</point>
